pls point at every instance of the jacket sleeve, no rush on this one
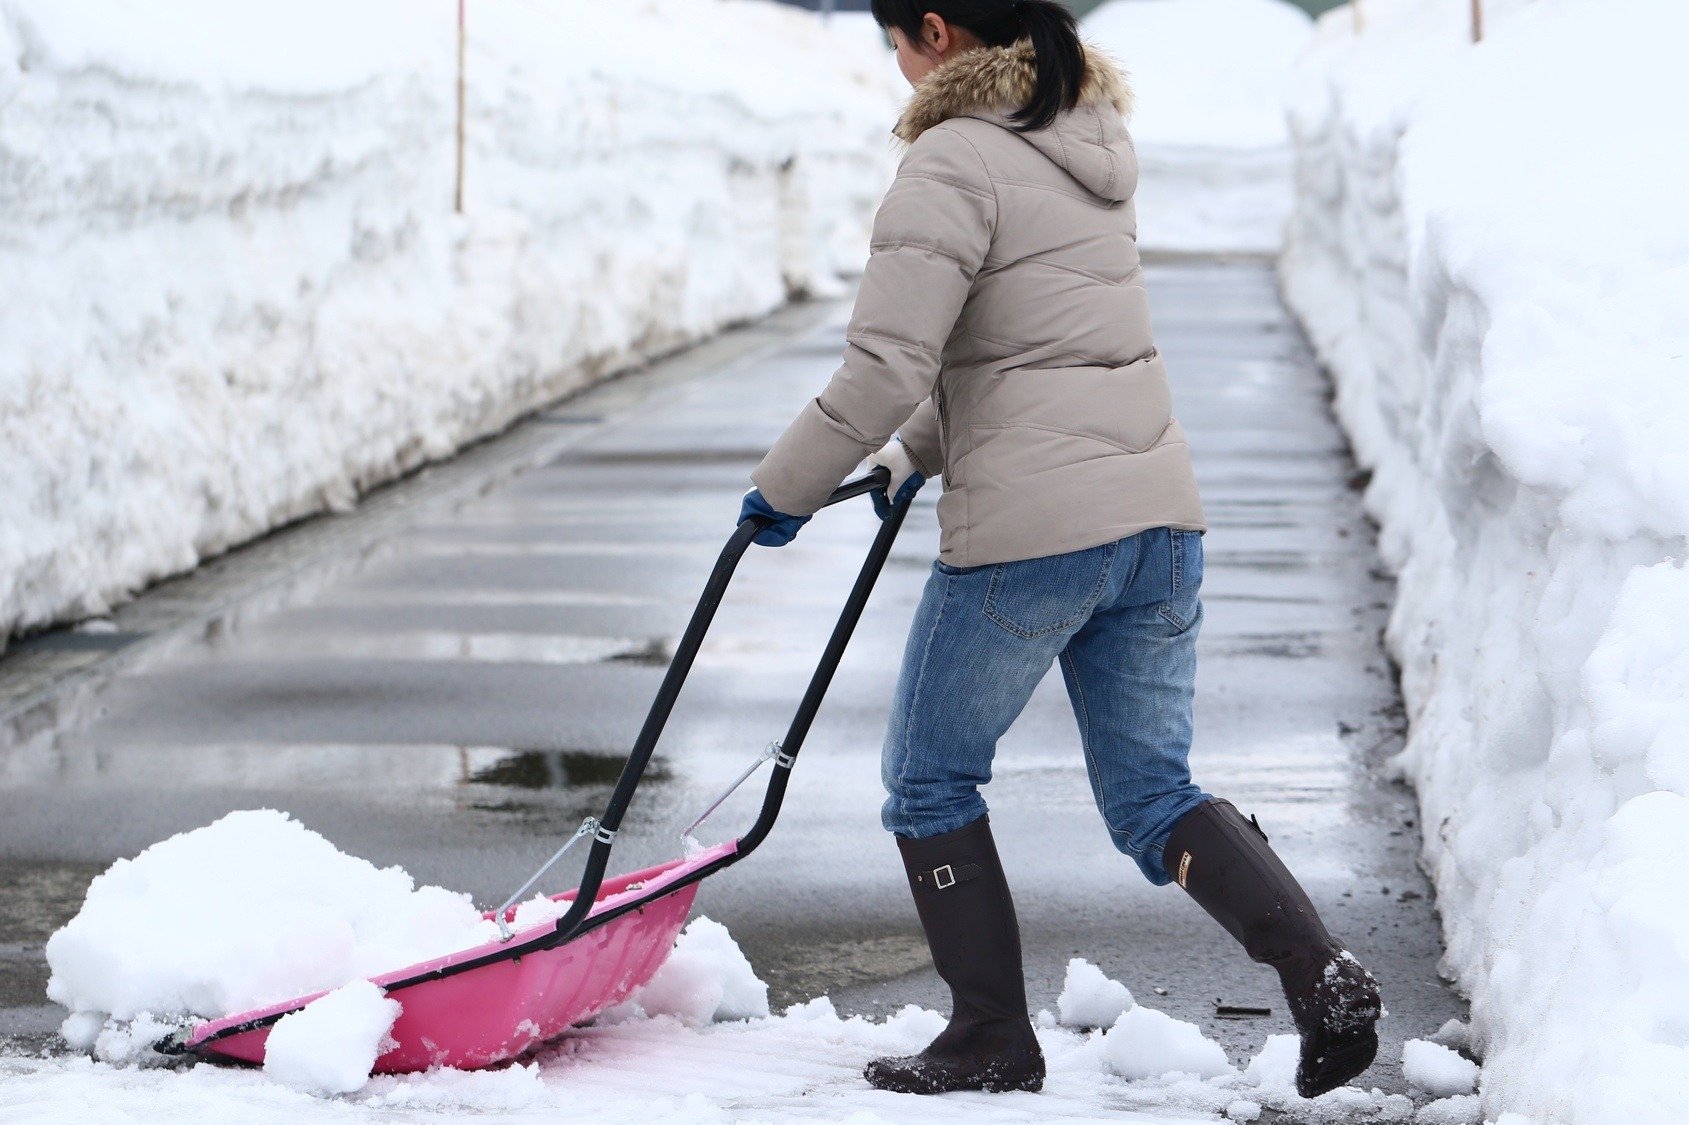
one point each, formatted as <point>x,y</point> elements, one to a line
<point>930,239</point>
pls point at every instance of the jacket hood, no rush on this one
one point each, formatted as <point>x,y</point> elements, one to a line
<point>1089,142</point>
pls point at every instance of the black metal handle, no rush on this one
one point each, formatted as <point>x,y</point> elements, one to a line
<point>598,858</point>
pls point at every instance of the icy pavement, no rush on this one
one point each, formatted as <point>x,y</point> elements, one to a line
<point>454,698</point>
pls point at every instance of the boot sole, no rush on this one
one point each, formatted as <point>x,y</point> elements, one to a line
<point>1345,1057</point>
<point>905,1082</point>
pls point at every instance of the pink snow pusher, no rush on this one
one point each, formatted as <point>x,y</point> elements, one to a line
<point>487,1005</point>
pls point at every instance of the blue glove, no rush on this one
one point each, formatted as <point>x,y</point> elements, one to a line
<point>904,482</point>
<point>782,531</point>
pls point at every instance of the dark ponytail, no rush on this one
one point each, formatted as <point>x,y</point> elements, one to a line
<point>998,23</point>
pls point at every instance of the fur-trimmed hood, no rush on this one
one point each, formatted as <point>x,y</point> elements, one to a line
<point>991,83</point>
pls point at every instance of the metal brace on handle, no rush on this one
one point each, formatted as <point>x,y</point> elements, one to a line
<point>589,827</point>
<point>773,750</point>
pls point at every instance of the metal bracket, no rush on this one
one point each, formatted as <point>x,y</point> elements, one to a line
<point>772,751</point>
<point>589,827</point>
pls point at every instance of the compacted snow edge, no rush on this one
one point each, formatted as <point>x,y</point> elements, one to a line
<point>1491,256</point>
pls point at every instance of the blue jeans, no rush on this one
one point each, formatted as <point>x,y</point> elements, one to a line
<point>1123,620</point>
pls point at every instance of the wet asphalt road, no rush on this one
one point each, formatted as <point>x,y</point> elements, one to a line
<point>456,697</point>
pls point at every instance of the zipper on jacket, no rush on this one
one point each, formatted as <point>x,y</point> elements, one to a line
<point>943,428</point>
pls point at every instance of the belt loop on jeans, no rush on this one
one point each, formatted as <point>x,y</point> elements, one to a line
<point>947,876</point>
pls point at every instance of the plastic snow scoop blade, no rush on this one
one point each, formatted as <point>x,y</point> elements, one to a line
<point>489,1004</point>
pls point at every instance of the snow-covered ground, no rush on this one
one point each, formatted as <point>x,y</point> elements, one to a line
<point>1210,76</point>
<point>173,934</point>
<point>1491,252</point>
<point>233,291</point>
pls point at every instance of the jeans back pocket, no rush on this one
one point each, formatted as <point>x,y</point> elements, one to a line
<point>1183,608</point>
<point>1036,597</point>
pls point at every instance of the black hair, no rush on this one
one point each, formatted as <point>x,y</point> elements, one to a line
<point>998,23</point>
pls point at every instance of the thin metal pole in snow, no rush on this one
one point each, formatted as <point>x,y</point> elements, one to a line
<point>458,198</point>
<point>1360,22</point>
<point>1477,21</point>
<point>826,9</point>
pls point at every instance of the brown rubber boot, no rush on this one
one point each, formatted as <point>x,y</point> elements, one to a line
<point>1224,863</point>
<point>964,904</point>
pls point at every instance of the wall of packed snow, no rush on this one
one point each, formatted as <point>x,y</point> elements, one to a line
<point>1215,163</point>
<point>1491,252</point>
<point>233,291</point>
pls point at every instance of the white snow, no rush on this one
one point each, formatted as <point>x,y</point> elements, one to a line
<point>329,1046</point>
<point>1213,145</point>
<point>1437,1070</point>
<point>1462,1109</point>
<point>247,911</point>
<point>707,978</point>
<point>235,291</point>
<point>1491,253</point>
<point>1275,1066</point>
<point>1089,998</point>
<point>804,1064</point>
<point>1145,1043</point>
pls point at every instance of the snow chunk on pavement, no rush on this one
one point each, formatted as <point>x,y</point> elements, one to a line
<point>1275,1067</point>
<point>250,910</point>
<point>706,979</point>
<point>1463,1109</point>
<point>329,1046</point>
<point>1145,1043</point>
<point>1437,1070</point>
<point>1089,998</point>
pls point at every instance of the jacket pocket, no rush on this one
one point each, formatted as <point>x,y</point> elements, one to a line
<point>1036,597</point>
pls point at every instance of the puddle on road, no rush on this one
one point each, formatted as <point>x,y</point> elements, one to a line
<point>400,771</point>
<point>550,787</point>
<point>560,769</point>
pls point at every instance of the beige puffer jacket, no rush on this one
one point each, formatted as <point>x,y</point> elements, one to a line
<point>1002,329</point>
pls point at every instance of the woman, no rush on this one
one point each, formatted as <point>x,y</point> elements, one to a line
<point>1002,333</point>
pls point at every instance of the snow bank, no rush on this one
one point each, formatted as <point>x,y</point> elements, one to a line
<point>1491,253</point>
<point>235,292</point>
<point>1214,149</point>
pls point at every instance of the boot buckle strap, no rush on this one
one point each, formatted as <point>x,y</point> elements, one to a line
<point>947,876</point>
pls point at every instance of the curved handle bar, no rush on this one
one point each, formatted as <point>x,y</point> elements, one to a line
<point>877,479</point>
<point>592,876</point>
